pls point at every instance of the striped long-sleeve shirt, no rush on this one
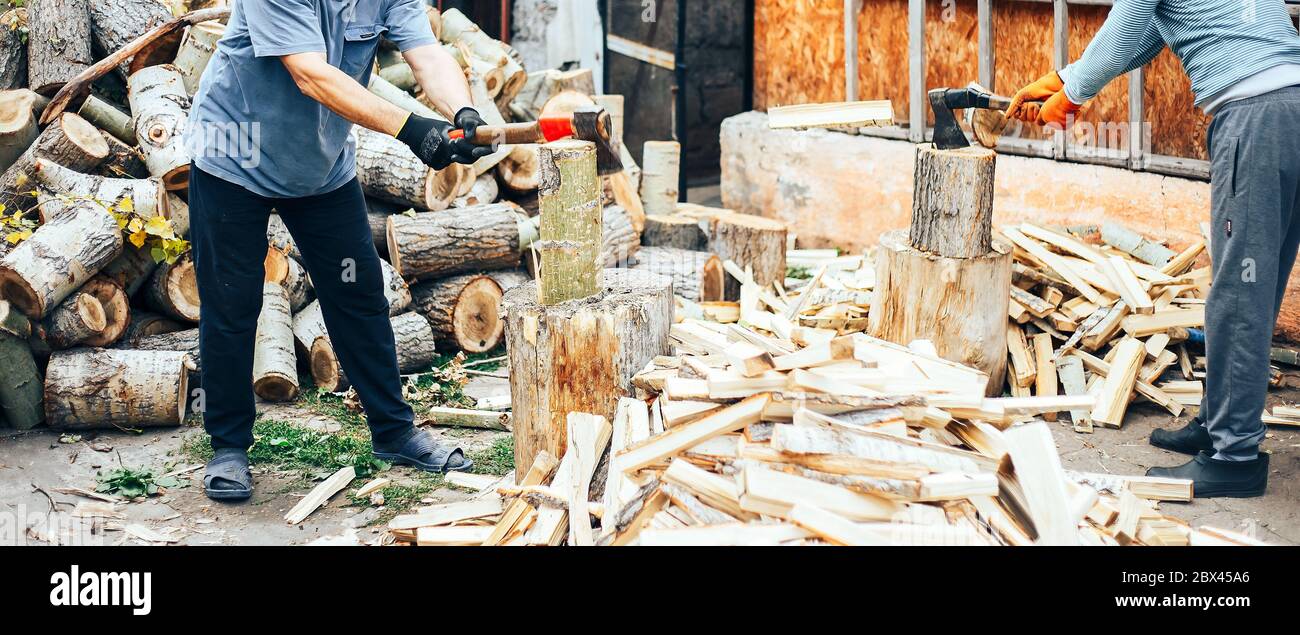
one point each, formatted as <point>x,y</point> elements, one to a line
<point>1220,43</point>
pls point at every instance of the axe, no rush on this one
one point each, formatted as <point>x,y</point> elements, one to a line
<point>987,126</point>
<point>589,123</point>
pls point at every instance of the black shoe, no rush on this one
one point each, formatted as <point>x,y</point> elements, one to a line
<point>1212,478</point>
<point>1192,438</point>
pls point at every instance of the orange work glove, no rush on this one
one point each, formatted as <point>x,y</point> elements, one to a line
<point>1057,111</point>
<point>1040,90</point>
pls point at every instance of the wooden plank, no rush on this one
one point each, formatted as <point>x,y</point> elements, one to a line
<point>1070,371</point>
<point>1045,383</point>
<point>1144,325</point>
<point>836,350</point>
<point>732,419</point>
<point>581,445</point>
<point>1118,388</point>
<point>1023,364</point>
<point>544,465</point>
<point>773,493</point>
<point>749,360</point>
<point>1039,473</point>
<point>446,514</point>
<point>1054,262</point>
<point>1130,289</point>
<point>855,114</point>
<point>320,494</point>
<point>833,527</point>
<point>458,536</point>
<point>1159,397</point>
<point>1064,242</point>
<point>549,527</point>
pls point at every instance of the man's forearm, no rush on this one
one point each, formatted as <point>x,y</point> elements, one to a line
<point>1127,35</point>
<point>440,77</point>
<point>337,91</point>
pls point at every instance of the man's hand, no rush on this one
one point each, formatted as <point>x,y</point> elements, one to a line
<point>430,140</point>
<point>1022,106</point>
<point>468,119</point>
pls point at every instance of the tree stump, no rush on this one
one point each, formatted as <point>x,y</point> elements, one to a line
<point>160,106</point>
<point>952,206</point>
<point>674,230</point>
<point>463,311</point>
<point>13,49</point>
<point>59,257</point>
<point>416,352</point>
<point>580,356</point>
<point>660,176</point>
<point>697,275</point>
<point>435,244</point>
<point>20,378</point>
<point>117,310</point>
<point>18,130</point>
<point>71,142</point>
<point>148,388</point>
<point>957,303</point>
<point>174,290</point>
<point>275,366</point>
<point>389,171</point>
<point>571,221</point>
<point>75,320</point>
<point>752,242</point>
<point>58,43</point>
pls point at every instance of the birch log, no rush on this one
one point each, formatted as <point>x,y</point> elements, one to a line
<point>463,311</point>
<point>18,128</point>
<point>186,341</point>
<point>435,244</point>
<point>148,388</point>
<point>395,289</point>
<point>619,238</point>
<point>115,23</point>
<point>196,49</point>
<point>58,258</point>
<point>13,49</point>
<point>278,236</point>
<point>308,324</point>
<point>279,267</point>
<point>148,196</point>
<point>389,171</point>
<point>58,43</point>
<point>75,320</point>
<point>109,118</point>
<point>145,324</point>
<point>132,269</point>
<point>697,275</point>
<point>174,290</point>
<point>952,208</point>
<point>484,192</point>
<point>117,310</point>
<point>458,29</point>
<point>415,353</point>
<point>160,106</point>
<point>580,356</point>
<point>70,142</point>
<point>660,176</point>
<point>957,303</point>
<point>569,191</point>
<point>20,379</point>
<point>275,366</point>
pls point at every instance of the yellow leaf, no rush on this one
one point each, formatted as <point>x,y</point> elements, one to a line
<point>126,205</point>
<point>13,237</point>
<point>136,225</point>
<point>138,238</point>
<point>159,226</point>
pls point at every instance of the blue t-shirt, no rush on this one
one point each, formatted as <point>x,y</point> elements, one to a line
<point>251,125</point>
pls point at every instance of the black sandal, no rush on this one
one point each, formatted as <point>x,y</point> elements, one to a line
<point>227,477</point>
<point>422,451</point>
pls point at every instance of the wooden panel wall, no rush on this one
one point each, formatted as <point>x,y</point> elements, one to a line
<point>799,53</point>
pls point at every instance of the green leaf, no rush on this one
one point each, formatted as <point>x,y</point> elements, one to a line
<point>159,255</point>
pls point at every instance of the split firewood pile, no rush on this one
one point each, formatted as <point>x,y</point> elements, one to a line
<point>98,300</point>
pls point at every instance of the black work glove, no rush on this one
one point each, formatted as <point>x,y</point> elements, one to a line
<point>430,140</point>
<point>468,119</point>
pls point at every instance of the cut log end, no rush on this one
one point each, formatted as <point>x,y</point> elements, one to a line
<point>116,307</point>
<point>177,178</point>
<point>325,369</point>
<point>20,294</point>
<point>476,320</point>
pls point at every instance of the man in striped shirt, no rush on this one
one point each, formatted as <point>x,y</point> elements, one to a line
<point>1243,57</point>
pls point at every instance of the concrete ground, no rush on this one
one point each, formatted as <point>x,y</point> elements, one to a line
<point>34,465</point>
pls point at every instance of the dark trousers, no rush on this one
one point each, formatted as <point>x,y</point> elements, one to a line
<point>228,227</point>
<point>1254,234</point>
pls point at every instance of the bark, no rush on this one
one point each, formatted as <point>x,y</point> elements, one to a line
<point>71,142</point>
<point>490,53</point>
<point>308,325</point>
<point>148,388</point>
<point>117,310</point>
<point>20,379</point>
<point>186,341</point>
<point>123,161</point>
<point>464,312</point>
<point>957,303</point>
<point>275,367</point>
<point>13,49</point>
<point>75,320</point>
<point>681,232</point>
<point>518,170</point>
<point>132,269</point>
<point>18,129</point>
<point>508,279</point>
<point>278,236</point>
<point>952,209</point>
<point>752,242</point>
<point>58,258</point>
<point>415,353</point>
<point>389,171</point>
<point>286,271</point>
<point>580,356</point>
<point>58,43</point>
<point>697,275</point>
<point>196,49</point>
<point>109,118</point>
<point>174,290</point>
<point>619,238</point>
<point>660,174</point>
<point>115,23</point>
<point>570,243</point>
<point>160,106</point>
<point>148,196</point>
<point>484,192</point>
<point>144,324</point>
<point>435,244</point>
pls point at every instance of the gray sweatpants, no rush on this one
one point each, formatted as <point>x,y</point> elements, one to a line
<point>1254,233</point>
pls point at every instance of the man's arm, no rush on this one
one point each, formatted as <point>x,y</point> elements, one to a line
<point>440,77</point>
<point>337,91</point>
<point>1126,40</point>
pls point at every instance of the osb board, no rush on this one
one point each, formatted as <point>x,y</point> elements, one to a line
<point>882,53</point>
<point>1109,109</point>
<point>1177,125</point>
<point>801,58</point>
<point>951,46</point>
<point>1022,51</point>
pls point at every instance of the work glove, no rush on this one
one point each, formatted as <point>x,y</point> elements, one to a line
<point>430,140</point>
<point>1042,89</point>
<point>468,119</point>
<point>1057,111</point>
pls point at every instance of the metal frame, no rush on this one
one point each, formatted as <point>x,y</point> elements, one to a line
<point>1138,157</point>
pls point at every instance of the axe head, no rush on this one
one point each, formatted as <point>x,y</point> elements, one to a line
<point>594,124</point>
<point>948,135</point>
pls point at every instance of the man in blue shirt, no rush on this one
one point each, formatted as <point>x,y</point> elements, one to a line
<point>1244,63</point>
<point>270,130</point>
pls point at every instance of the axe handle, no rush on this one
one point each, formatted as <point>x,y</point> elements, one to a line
<point>509,134</point>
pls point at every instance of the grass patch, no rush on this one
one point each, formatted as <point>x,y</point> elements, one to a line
<point>129,482</point>
<point>330,405</point>
<point>801,273</point>
<point>283,445</point>
<point>497,459</point>
<point>402,498</point>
